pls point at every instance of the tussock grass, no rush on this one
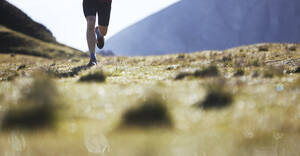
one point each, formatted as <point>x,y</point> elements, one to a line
<point>182,75</point>
<point>295,70</point>
<point>149,113</point>
<point>217,97</point>
<point>12,76</point>
<point>263,48</point>
<point>23,66</point>
<point>292,48</point>
<point>170,68</point>
<point>37,108</point>
<point>255,63</point>
<point>270,72</point>
<point>239,72</point>
<point>98,76</point>
<point>227,58</point>
<point>181,56</point>
<point>255,74</point>
<point>210,71</point>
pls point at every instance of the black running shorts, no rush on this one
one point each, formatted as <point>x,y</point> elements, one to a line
<point>92,7</point>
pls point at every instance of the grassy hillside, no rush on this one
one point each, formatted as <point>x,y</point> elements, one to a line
<point>19,34</point>
<point>15,19</point>
<point>242,101</point>
<point>18,43</point>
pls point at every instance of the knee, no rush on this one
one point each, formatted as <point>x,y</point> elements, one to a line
<point>90,26</point>
<point>91,23</point>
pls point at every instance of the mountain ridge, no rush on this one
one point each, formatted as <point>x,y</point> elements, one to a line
<point>192,25</point>
<point>15,19</point>
<point>19,34</point>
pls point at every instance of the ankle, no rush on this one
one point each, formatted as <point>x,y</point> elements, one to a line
<point>93,56</point>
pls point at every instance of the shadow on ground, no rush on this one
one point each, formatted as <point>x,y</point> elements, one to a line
<point>74,72</point>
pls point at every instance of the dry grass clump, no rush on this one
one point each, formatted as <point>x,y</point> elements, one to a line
<point>210,71</point>
<point>295,70</point>
<point>239,72</point>
<point>292,48</point>
<point>270,72</point>
<point>182,75</point>
<point>227,58</point>
<point>23,66</point>
<point>181,56</point>
<point>217,97</point>
<point>150,113</point>
<point>255,63</point>
<point>36,109</point>
<point>12,76</point>
<point>255,74</point>
<point>98,76</point>
<point>263,48</point>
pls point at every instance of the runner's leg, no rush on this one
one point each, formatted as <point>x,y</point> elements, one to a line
<point>104,17</point>
<point>103,30</point>
<point>90,10</point>
<point>90,33</point>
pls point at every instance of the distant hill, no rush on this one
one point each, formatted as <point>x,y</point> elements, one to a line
<point>15,19</point>
<point>20,34</point>
<point>194,25</point>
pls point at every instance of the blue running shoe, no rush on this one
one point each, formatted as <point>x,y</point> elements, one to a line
<point>93,60</point>
<point>100,39</point>
<point>91,63</point>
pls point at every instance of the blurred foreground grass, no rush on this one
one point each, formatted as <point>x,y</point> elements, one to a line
<point>261,115</point>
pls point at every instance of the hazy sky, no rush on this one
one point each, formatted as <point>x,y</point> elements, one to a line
<point>66,20</point>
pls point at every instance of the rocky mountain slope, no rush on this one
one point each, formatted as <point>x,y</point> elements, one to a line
<point>192,25</point>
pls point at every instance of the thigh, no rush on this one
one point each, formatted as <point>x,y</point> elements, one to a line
<point>89,8</point>
<point>104,10</point>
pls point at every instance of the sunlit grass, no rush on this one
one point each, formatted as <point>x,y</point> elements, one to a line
<point>262,117</point>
